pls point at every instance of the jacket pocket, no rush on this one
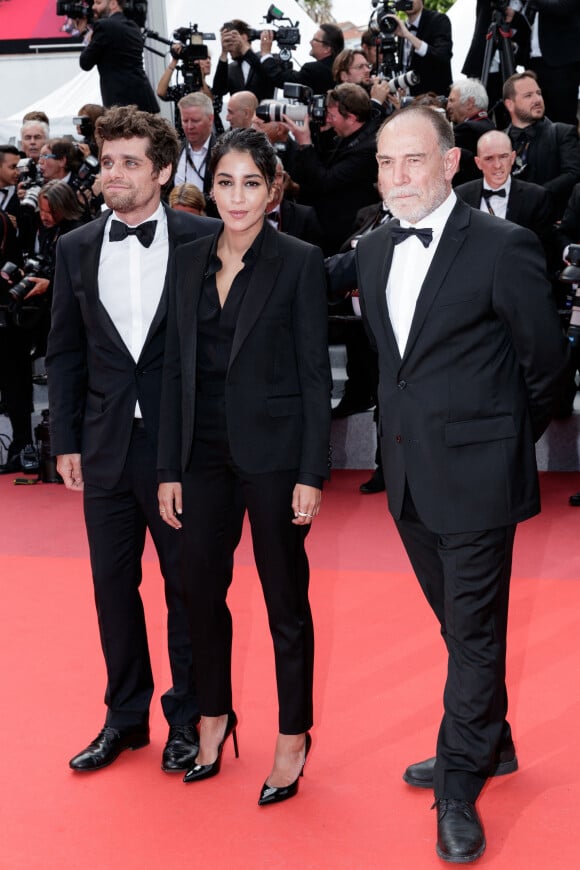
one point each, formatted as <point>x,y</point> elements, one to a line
<point>479,430</point>
<point>284,406</point>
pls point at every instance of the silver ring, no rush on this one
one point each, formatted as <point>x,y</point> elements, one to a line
<point>301,514</point>
<point>162,511</point>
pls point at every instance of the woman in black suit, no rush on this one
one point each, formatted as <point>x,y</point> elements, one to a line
<point>245,426</point>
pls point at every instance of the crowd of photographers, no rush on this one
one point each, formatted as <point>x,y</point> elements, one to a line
<point>324,130</point>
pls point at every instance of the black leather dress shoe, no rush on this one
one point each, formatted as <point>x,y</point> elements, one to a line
<point>375,484</point>
<point>574,500</point>
<point>460,837</point>
<point>181,748</point>
<point>420,775</point>
<point>107,746</point>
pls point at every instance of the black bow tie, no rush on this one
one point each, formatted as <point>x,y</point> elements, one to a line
<point>399,235</point>
<point>144,232</point>
<point>487,194</point>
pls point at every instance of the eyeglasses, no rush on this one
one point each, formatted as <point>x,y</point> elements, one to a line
<point>321,41</point>
<point>48,157</point>
<point>362,66</point>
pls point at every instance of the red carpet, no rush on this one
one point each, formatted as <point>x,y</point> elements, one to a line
<point>379,674</point>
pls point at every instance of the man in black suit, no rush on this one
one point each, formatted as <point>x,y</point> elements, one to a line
<point>470,356</point>
<point>425,46</point>
<point>546,153</point>
<point>555,55</point>
<point>104,361</point>
<point>9,177</point>
<point>521,202</point>
<point>291,217</point>
<point>326,43</point>
<point>244,72</point>
<point>341,182</point>
<point>115,47</point>
<point>197,119</point>
<point>467,110</point>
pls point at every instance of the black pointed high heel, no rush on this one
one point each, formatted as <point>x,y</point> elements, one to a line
<point>272,794</point>
<point>205,771</point>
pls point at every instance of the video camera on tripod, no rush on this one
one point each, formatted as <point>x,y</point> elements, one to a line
<point>193,49</point>
<point>135,10</point>
<point>383,27</point>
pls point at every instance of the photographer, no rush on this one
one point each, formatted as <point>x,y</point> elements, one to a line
<point>325,45</point>
<point>115,47</point>
<point>58,160</point>
<point>467,111</point>
<point>9,176</point>
<point>425,47</point>
<point>340,183</point>
<point>173,93</point>
<point>26,313</point>
<point>196,113</point>
<point>85,123</point>
<point>245,72</point>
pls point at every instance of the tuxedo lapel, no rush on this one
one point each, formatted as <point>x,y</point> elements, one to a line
<point>89,254</point>
<point>514,202</point>
<point>374,257</point>
<point>449,245</point>
<point>188,300</point>
<point>264,277</point>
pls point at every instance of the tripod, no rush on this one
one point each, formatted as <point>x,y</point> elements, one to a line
<point>498,37</point>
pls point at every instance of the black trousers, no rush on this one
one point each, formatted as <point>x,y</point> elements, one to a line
<point>116,521</point>
<point>16,383</point>
<point>216,494</point>
<point>465,578</point>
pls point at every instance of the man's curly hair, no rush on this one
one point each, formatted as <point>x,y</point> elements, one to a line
<point>126,122</point>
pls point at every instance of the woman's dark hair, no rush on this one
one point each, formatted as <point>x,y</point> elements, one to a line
<point>62,201</point>
<point>254,143</point>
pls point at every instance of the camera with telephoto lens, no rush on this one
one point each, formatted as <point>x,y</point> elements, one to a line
<point>571,275</point>
<point>18,279</point>
<point>303,104</point>
<point>380,21</point>
<point>30,181</point>
<point>85,174</point>
<point>80,9</point>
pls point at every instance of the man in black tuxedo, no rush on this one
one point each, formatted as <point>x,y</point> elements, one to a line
<point>521,202</point>
<point>244,72</point>
<point>104,361</point>
<point>425,46</point>
<point>546,153</point>
<point>115,47</point>
<point>470,356</point>
<point>326,43</point>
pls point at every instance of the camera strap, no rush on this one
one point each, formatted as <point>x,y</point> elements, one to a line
<point>199,170</point>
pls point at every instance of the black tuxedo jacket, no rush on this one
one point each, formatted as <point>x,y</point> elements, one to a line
<point>435,68</point>
<point>300,221</point>
<point>568,232</point>
<point>559,31</point>
<point>315,74</point>
<point>553,158</point>
<point>116,48</point>
<point>229,78</point>
<point>94,381</point>
<point>529,205</point>
<point>278,382</point>
<point>460,410</point>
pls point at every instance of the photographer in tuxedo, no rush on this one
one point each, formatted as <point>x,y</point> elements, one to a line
<point>104,362</point>
<point>468,374</point>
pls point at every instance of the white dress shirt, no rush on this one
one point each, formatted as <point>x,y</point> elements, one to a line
<point>131,279</point>
<point>410,264</point>
<point>498,204</point>
<point>192,165</point>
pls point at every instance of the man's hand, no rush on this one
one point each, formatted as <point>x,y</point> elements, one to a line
<point>170,503</point>
<point>68,466</point>
<point>300,133</point>
<point>41,286</point>
<point>266,40</point>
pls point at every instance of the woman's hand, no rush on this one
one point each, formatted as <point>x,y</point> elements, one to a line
<point>305,504</point>
<point>170,503</point>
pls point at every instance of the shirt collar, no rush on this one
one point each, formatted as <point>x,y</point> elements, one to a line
<point>248,259</point>
<point>437,219</point>
<point>158,215</point>
<point>505,186</point>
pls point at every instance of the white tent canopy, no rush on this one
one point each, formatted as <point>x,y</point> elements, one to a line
<point>62,101</point>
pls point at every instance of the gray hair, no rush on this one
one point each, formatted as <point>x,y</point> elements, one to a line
<point>472,89</point>
<point>194,100</point>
